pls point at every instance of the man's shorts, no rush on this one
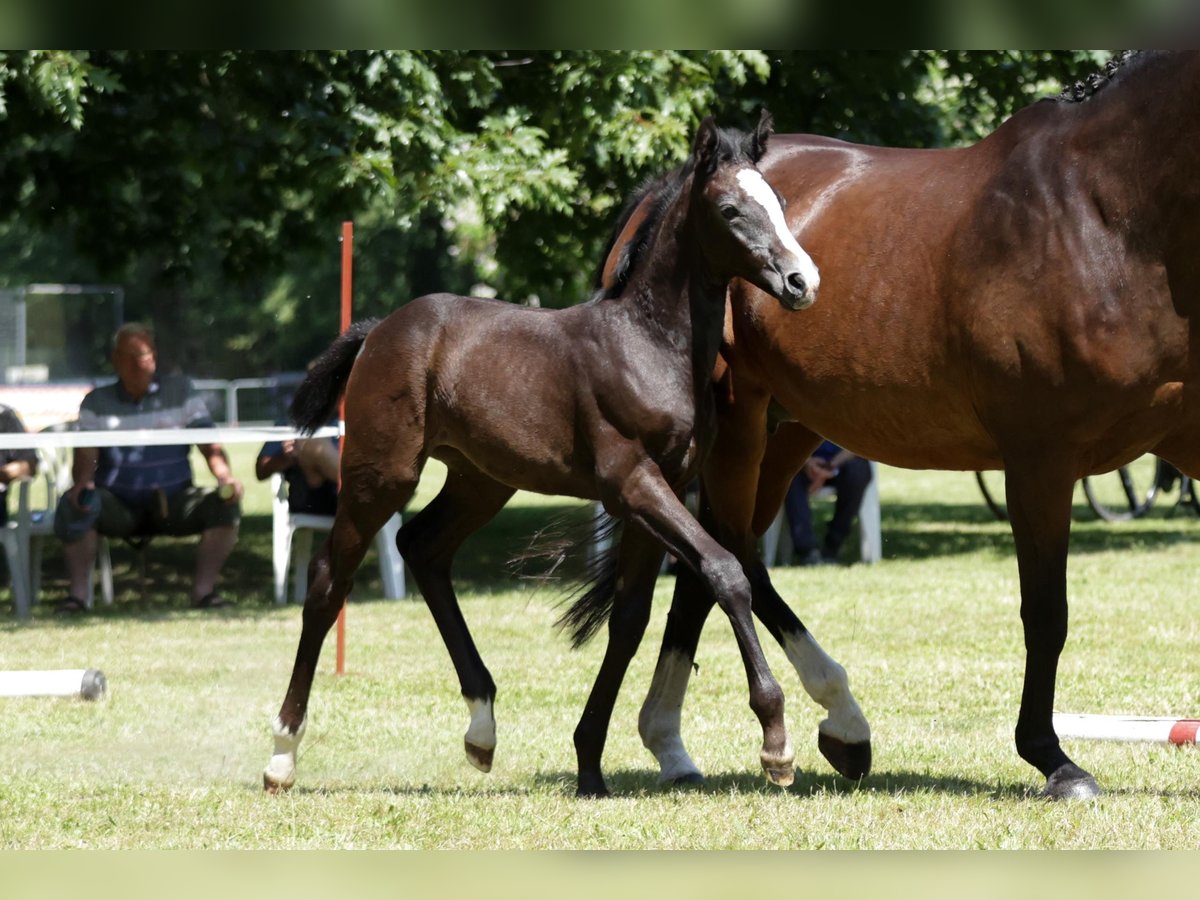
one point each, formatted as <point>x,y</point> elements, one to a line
<point>189,511</point>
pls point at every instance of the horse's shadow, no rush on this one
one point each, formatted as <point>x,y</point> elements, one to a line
<point>644,783</point>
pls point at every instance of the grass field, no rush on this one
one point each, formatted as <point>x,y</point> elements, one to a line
<point>931,638</point>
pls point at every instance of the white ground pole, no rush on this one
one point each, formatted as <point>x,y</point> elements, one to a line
<point>1152,729</point>
<point>89,684</point>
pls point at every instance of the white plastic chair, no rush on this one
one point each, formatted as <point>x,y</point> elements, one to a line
<point>16,549</point>
<point>29,526</point>
<point>291,542</point>
<point>777,541</point>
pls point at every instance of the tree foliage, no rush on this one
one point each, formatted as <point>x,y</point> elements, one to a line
<point>212,184</point>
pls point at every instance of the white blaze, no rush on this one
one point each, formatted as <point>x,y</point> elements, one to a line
<point>756,187</point>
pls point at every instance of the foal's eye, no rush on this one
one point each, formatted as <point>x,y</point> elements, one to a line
<point>729,212</point>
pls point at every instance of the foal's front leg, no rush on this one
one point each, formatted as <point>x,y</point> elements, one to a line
<point>640,558</point>
<point>645,498</point>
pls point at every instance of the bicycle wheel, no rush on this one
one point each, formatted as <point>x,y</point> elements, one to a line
<point>991,485</point>
<point>1188,494</point>
<point>1126,493</point>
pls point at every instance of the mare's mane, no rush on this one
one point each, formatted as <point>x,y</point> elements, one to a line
<point>1119,66</point>
<point>661,192</point>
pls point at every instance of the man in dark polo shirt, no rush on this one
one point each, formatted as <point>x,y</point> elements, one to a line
<point>149,490</point>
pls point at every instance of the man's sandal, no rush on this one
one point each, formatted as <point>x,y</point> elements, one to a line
<point>70,606</point>
<point>211,600</point>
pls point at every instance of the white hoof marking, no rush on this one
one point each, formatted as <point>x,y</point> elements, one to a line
<point>280,773</point>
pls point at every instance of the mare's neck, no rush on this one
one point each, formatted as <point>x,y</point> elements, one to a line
<point>1144,134</point>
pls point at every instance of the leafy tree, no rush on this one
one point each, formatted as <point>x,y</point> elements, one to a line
<point>213,184</point>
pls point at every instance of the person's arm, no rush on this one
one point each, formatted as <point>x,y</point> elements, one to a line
<point>218,464</point>
<point>841,458</point>
<point>267,464</point>
<point>16,469</point>
<point>21,463</point>
<point>83,472</point>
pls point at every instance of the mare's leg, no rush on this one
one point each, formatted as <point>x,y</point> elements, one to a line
<point>646,499</point>
<point>1039,507</point>
<point>428,542</point>
<point>640,559</point>
<point>331,576</point>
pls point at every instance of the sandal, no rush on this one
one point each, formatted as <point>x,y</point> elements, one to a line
<point>70,606</point>
<point>211,600</point>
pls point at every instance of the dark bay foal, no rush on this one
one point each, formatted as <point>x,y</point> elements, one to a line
<point>608,400</point>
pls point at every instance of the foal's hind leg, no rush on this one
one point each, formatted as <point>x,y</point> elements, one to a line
<point>428,542</point>
<point>331,576</point>
<point>638,564</point>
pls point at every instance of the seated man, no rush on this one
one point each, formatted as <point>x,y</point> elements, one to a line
<point>149,490</point>
<point>14,464</point>
<point>849,476</point>
<point>310,468</point>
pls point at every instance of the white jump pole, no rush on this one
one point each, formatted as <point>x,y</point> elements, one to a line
<point>1152,729</point>
<point>86,683</point>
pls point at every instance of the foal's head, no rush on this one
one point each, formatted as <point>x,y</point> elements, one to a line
<point>741,215</point>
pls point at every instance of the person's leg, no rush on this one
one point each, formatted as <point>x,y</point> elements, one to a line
<point>80,558</point>
<point>215,546</point>
<point>850,484</point>
<point>115,520</point>
<point>202,511</point>
<point>799,516</point>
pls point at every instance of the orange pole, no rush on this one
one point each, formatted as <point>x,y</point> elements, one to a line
<point>347,293</point>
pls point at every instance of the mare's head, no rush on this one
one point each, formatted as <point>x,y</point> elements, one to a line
<point>740,216</point>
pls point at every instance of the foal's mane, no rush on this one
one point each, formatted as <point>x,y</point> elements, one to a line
<point>661,191</point>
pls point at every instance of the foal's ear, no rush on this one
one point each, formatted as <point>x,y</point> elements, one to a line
<point>704,147</point>
<point>757,142</point>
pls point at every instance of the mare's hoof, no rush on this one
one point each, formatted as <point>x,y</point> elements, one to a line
<point>851,761</point>
<point>688,779</point>
<point>1069,782</point>
<point>479,757</point>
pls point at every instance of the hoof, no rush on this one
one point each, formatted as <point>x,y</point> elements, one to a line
<point>1069,782</point>
<point>591,788</point>
<point>479,757</point>
<point>851,761</point>
<point>688,779</point>
<point>783,777</point>
<point>271,786</point>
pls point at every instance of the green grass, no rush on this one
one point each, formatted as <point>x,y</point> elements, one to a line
<point>931,638</point>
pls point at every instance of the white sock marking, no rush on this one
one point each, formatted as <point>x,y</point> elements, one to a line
<point>658,722</point>
<point>281,770</point>
<point>825,681</point>
<point>482,730</point>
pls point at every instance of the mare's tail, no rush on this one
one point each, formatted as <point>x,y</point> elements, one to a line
<point>318,395</point>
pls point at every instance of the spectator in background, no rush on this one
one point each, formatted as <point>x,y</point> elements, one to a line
<point>310,468</point>
<point>148,490</point>
<point>14,464</point>
<point>849,476</point>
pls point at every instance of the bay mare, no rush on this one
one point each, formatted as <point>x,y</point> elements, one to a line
<point>1027,303</point>
<point>606,401</point>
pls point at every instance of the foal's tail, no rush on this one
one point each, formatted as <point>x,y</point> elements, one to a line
<point>317,397</point>
<point>591,604</point>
